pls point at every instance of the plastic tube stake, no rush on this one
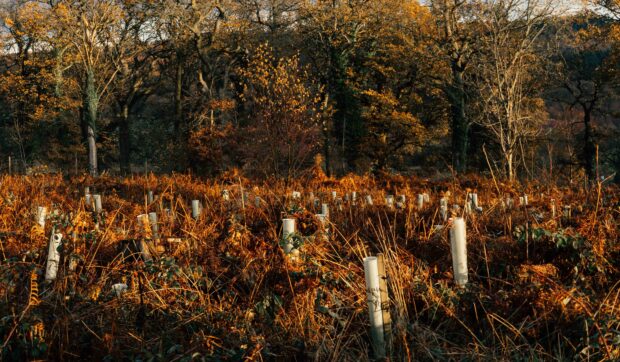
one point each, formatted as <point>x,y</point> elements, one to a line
<point>53,257</point>
<point>459,251</point>
<point>373,294</point>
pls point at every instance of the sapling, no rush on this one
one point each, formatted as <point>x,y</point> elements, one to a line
<point>459,251</point>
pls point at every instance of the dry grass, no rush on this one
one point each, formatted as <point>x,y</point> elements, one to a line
<point>222,288</point>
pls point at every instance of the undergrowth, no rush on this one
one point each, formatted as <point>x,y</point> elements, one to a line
<point>221,288</point>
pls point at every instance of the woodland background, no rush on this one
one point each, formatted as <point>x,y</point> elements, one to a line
<point>523,88</point>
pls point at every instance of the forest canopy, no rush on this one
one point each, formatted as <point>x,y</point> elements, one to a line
<point>517,88</point>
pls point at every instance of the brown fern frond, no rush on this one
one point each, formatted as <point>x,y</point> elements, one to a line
<point>33,297</point>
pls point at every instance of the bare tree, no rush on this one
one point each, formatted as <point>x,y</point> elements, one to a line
<point>85,24</point>
<point>507,76</point>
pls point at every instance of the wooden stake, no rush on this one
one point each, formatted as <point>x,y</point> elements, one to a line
<point>385,302</point>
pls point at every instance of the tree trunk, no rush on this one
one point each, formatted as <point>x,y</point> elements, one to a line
<point>588,145</point>
<point>510,165</point>
<point>458,120</point>
<point>92,152</point>
<point>91,105</point>
<point>58,72</point>
<point>178,98</point>
<point>326,153</point>
<point>124,140</point>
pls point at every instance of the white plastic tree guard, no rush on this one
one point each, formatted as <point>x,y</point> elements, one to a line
<point>353,196</point>
<point>523,201</point>
<point>375,312</point>
<point>196,209</point>
<point>334,195</point>
<point>458,248</point>
<point>119,288</point>
<point>150,197</point>
<point>474,200</point>
<point>154,224</point>
<point>296,195</point>
<point>427,198</point>
<point>98,204</point>
<point>41,215</point>
<point>369,200</point>
<point>420,201</point>
<point>389,201</point>
<point>288,228</point>
<point>53,257</point>
<point>225,195</point>
<point>553,208</point>
<point>257,201</point>
<point>443,208</point>
<point>325,210</point>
